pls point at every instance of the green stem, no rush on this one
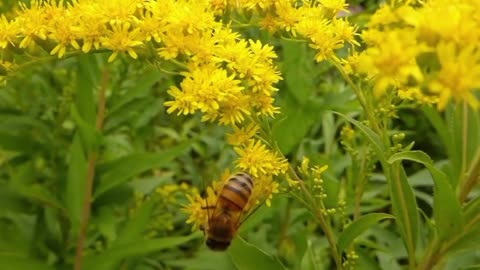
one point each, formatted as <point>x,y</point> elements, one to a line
<point>360,187</point>
<point>324,222</point>
<point>392,173</point>
<point>92,160</point>
<point>395,180</point>
<point>361,98</point>
<point>437,250</point>
<point>473,176</point>
<point>464,144</point>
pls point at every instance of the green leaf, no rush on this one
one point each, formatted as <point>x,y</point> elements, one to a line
<point>76,183</point>
<point>447,211</point>
<point>16,142</point>
<point>440,127</point>
<point>359,226</point>
<point>405,208</point>
<point>40,193</point>
<point>466,240</point>
<point>121,170</point>
<point>291,130</point>
<point>297,69</point>
<point>142,88</point>
<point>111,257</point>
<point>204,260</point>
<point>88,132</point>
<point>136,225</point>
<point>308,261</point>
<point>472,209</point>
<point>89,76</point>
<point>246,257</point>
<point>22,263</point>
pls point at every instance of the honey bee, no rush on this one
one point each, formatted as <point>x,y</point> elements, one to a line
<point>229,210</point>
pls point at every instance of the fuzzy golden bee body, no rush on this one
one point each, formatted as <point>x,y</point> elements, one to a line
<point>225,217</point>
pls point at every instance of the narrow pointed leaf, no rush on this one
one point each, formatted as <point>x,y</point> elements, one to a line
<point>76,180</point>
<point>246,257</point>
<point>122,170</point>
<point>141,247</point>
<point>447,211</point>
<point>358,227</point>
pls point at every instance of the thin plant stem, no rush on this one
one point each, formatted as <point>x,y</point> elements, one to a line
<point>473,176</point>
<point>92,160</point>
<point>360,187</point>
<point>360,96</point>
<point>464,143</point>
<point>324,223</point>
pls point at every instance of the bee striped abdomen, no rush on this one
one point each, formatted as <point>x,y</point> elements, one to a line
<point>237,191</point>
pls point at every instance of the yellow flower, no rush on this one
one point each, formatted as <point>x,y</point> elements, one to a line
<point>234,109</point>
<point>8,32</point>
<point>415,94</point>
<point>120,39</point>
<point>384,15</point>
<point>63,31</point>
<point>150,26</point>
<point>345,31</point>
<point>318,170</point>
<point>91,24</point>
<point>423,61</point>
<point>32,23</point>
<point>334,5</point>
<point>263,53</point>
<point>305,165</point>
<point>392,60</point>
<point>117,11</point>
<point>459,74</point>
<point>288,16</point>
<point>256,159</point>
<point>212,91</point>
<point>264,104</point>
<point>241,135</point>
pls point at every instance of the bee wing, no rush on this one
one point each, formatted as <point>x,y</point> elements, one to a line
<point>211,208</point>
<point>249,212</point>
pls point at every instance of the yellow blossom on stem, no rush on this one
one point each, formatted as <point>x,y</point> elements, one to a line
<point>421,60</point>
<point>32,22</point>
<point>241,135</point>
<point>120,39</point>
<point>334,5</point>
<point>8,32</point>
<point>63,32</point>
<point>459,74</point>
<point>256,159</point>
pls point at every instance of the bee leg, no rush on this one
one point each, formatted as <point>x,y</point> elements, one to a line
<point>208,207</point>
<point>202,228</point>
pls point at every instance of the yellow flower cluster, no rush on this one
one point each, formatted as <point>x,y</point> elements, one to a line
<point>427,50</point>
<point>317,21</point>
<point>228,79</point>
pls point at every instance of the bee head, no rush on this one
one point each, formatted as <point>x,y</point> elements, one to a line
<point>217,245</point>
